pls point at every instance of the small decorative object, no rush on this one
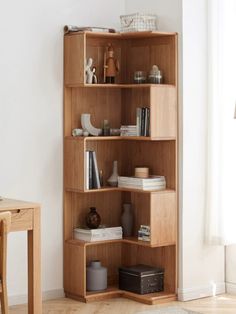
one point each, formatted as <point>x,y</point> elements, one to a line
<point>88,71</point>
<point>155,75</point>
<point>127,220</point>
<point>144,233</point>
<point>141,279</point>
<point>94,80</point>
<point>140,77</point>
<point>93,219</point>
<point>101,177</point>
<point>138,22</point>
<point>113,180</point>
<point>111,65</point>
<point>141,172</point>
<point>85,133</point>
<point>115,132</point>
<point>77,132</point>
<point>74,28</point>
<point>235,112</point>
<point>105,128</point>
<point>86,125</point>
<point>96,276</point>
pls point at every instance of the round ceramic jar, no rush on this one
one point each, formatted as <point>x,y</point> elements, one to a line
<point>96,276</point>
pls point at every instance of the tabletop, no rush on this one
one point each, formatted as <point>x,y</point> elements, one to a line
<point>10,204</point>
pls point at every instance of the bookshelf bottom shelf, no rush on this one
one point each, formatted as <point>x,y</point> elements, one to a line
<point>114,292</point>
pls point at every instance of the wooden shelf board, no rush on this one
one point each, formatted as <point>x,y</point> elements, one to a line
<point>152,298</point>
<point>119,138</point>
<point>121,86</point>
<point>130,240</point>
<point>108,189</point>
<point>114,291</point>
<point>119,35</point>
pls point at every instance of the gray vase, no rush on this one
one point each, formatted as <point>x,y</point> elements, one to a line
<point>127,220</point>
<point>96,276</point>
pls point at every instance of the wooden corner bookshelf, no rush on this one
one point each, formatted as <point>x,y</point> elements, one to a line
<point>159,151</point>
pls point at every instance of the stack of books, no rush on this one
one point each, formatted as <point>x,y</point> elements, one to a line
<point>100,234</point>
<point>147,184</point>
<point>143,121</point>
<point>128,130</point>
<point>144,233</point>
<point>92,174</point>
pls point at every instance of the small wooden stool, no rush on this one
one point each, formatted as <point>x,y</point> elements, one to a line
<point>5,224</point>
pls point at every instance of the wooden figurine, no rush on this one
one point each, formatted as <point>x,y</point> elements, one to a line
<point>111,65</point>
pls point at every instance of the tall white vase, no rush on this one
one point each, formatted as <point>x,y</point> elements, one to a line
<point>113,180</point>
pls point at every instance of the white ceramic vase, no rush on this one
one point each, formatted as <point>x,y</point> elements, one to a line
<point>113,180</point>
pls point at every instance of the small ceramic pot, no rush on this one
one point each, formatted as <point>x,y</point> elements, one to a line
<point>127,220</point>
<point>96,276</point>
<point>93,219</point>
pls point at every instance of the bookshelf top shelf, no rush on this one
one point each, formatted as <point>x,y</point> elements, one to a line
<point>119,35</point>
<point>121,86</point>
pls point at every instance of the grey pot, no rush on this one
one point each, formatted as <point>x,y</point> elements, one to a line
<point>127,220</point>
<point>96,276</point>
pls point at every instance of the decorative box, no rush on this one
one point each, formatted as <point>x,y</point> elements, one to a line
<point>138,22</point>
<point>141,279</point>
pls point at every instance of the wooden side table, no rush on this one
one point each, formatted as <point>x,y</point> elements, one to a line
<point>26,217</point>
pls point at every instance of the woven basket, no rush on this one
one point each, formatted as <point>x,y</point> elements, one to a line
<point>138,22</point>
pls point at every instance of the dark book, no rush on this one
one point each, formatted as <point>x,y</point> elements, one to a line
<point>142,121</point>
<point>147,121</point>
<point>95,173</point>
<point>90,169</point>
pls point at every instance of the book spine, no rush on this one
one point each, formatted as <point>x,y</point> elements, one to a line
<point>145,122</point>
<point>138,120</point>
<point>148,122</point>
<point>95,174</point>
<point>87,170</point>
<point>142,121</point>
<point>90,170</point>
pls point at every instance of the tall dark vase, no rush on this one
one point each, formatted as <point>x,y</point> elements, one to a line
<point>93,219</point>
<point>127,220</point>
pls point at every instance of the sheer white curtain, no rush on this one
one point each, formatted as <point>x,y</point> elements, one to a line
<point>221,157</point>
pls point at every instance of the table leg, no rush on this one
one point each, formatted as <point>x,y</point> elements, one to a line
<point>34,266</point>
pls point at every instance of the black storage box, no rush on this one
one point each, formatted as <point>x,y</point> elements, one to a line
<point>141,279</point>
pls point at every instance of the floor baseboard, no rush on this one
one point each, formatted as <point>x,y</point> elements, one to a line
<point>201,292</point>
<point>47,295</point>
<point>231,288</point>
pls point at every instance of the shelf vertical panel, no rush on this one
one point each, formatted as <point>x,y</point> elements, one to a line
<point>74,59</point>
<point>163,214</point>
<point>74,164</point>
<point>163,115</point>
<point>74,269</point>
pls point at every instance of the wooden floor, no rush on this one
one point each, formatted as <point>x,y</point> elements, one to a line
<point>224,304</point>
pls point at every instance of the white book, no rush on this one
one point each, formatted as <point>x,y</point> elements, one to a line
<point>87,170</point>
<point>100,234</point>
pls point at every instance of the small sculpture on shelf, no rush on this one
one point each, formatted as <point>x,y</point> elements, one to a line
<point>93,219</point>
<point>105,128</point>
<point>155,75</point>
<point>87,126</point>
<point>91,77</point>
<point>111,65</point>
<point>113,180</point>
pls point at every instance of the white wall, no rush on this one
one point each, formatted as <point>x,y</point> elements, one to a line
<point>202,266</point>
<point>230,269</point>
<point>31,75</point>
